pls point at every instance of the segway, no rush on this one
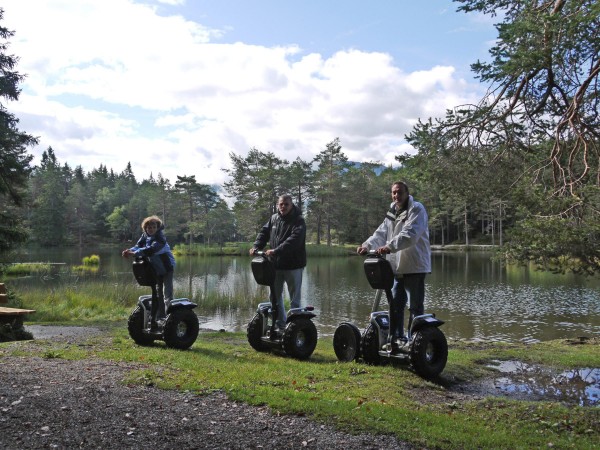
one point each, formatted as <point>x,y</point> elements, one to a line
<point>425,346</point>
<point>180,327</point>
<point>299,338</point>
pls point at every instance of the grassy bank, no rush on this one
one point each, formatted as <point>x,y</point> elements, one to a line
<point>241,248</point>
<point>358,397</point>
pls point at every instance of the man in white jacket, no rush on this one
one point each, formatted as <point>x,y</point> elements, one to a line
<point>404,237</point>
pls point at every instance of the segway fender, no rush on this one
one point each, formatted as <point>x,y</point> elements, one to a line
<point>264,307</point>
<point>143,299</point>
<point>182,303</point>
<point>300,312</point>
<point>425,320</point>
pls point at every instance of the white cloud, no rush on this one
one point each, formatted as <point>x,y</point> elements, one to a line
<point>113,82</point>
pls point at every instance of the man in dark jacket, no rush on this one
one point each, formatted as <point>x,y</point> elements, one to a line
<point>285,232</point>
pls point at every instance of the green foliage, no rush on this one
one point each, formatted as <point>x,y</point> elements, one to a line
<point>21,269</point>
<point>315,251</point>
<point>205,250</point>
<point>327,190</point>
<point>118,223</point>
<point>526,156</point>
<point>92,301</point>
<point>556,244</point>
<point>48,217</point>
<point>14,159</point>
<point>92,260</point>
<point>91,265</point>
<point>256,183</point>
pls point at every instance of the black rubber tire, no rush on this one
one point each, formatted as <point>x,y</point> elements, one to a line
<point>181,329</point>
<point>346,342</point>
<point>429,352</point>
<point>300,338</point>
<point>369,346</point>
<point>135,326</point>
<point>255,332</point>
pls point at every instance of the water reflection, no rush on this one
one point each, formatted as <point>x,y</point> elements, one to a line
<point>476,297</point>
<point>578,386</point>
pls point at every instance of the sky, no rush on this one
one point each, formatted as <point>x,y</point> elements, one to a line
<point>176,86</point>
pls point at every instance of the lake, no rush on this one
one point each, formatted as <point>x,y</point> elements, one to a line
<point>475,296</point>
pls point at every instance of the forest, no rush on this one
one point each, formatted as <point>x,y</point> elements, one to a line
<point>520,169</point>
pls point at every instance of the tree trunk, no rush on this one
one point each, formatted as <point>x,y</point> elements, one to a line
<point>466,223</point>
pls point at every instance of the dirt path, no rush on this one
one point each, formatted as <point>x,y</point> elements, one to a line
<point>57,403</point>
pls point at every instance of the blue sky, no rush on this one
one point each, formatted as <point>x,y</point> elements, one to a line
<point>175,86</point>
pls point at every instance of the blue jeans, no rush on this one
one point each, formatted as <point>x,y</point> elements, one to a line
<point>293,279</point>
<point>164,290</point>
<point>408,289</point>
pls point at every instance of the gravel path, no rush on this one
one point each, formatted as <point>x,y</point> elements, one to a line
<point>55,403</point>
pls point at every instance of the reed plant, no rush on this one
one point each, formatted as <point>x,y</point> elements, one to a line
<point>90,299</point>
<point>92,260</point>
<point>23,269</point>
<point>70,300</point>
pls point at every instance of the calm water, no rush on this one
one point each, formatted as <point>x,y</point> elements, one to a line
<point>477,298</point>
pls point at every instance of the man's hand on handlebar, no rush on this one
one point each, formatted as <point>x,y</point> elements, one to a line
<point>255,251</point>
<point>381,250</point>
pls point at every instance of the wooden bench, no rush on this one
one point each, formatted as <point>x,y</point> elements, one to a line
<point>13,316</point>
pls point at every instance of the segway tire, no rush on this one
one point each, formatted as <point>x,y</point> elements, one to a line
<point>135,326</point>
<point>255,332</point>
<point>300,338</point>
<point>429,352</point>
<point>181,329</point>
<point>346,342</point>
<point>369,346</point>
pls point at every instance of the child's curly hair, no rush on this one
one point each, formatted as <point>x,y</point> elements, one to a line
<point>151,219</point>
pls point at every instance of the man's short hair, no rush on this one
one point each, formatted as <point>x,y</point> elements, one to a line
<point>286,197</point>
<point>402,183</point>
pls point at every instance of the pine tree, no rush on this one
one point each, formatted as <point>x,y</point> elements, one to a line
<point>14,159</point>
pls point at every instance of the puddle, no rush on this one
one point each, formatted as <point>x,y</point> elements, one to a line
<point>577,386</point>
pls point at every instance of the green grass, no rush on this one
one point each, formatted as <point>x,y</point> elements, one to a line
<point>21,269</point>
<point>242,248</point>
<point>355,396</point>
<point>71,301</point>
<point>98,300</point>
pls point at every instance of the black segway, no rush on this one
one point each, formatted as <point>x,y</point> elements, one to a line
<point>425,346</point>
<point>180,327</point>
<point>299,338</point>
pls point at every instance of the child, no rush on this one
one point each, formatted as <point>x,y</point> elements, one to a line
<point>153,244</point>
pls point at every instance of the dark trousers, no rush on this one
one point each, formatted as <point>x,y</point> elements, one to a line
<point>408,289</point>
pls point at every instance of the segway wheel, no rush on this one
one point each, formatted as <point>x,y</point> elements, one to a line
<point>429,352</point>
<point>181,329</point>
<point>255,332</point>
<point>346,342</point>
<point>369,346</point>
<point>135,326</point>
<point>300,338</point>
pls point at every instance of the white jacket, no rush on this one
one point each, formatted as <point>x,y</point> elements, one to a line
<point>407,236</point>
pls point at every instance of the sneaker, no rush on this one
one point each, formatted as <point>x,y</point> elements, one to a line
<point>277,333</point>
<point>396,345</point>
